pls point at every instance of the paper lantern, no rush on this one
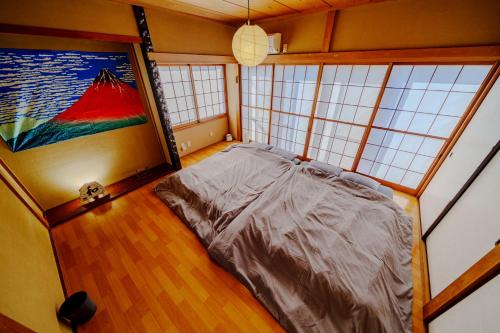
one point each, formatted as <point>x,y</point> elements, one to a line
<point>250,45</point>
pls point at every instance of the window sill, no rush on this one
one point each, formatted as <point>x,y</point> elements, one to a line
<point>194,124</point>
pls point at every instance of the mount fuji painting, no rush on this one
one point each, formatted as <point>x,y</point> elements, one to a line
<point>51,96</point>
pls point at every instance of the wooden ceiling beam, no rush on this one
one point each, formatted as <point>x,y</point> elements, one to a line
<point>194,59</point>
<point>446,54</point>
<point>328,33</point>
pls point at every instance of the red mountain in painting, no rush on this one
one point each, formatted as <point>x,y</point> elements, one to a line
<point>107,99</point>
<point>107,104</point>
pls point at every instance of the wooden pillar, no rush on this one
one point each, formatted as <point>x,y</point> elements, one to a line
<point>154,79</point>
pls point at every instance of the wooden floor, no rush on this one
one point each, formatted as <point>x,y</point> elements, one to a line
<point>147,272</point>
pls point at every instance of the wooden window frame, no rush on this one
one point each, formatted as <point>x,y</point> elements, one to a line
<point>240,114</point>
<point>481,55</point>
<point>199,121</point>
<point>367,127</point>
<point>302,156</point>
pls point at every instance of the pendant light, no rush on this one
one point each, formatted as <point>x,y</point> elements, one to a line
<point>250,43</point>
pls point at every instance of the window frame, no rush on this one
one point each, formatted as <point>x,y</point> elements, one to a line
<point>262,109</point>
<point>444,150</point>
<point>199,121</point>
<point>313,105</point>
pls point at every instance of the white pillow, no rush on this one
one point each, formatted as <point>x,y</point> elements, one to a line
<point>360,179</point>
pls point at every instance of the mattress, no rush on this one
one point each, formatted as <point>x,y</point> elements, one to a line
<point>323,254</point>
<point>209,195</point>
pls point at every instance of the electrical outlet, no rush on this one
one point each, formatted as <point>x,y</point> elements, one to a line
<point>189,143</point>
<point>138,171</point>
<point>183,146</point>
<point>211,133</point>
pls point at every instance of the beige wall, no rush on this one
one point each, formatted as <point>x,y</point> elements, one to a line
<point>54,173</point>
<point>395,24</point>
<point>302,33</point>
<point>180,33</point>
<point>84,15</point>
<point>417,23</point>
<point>199,135</point>
<point>30,288</point>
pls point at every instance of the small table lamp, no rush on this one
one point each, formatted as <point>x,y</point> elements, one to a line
<point>89,192</point>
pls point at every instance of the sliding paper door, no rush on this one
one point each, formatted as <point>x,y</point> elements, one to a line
<point>346,101</point>
<point>420,108</point>
<point>388,121</point>
<point>256,102</point>
<point>293,97</point>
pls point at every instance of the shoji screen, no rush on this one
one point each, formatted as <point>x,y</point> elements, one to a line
<point>469,230</point>
<point>293,96</point>
<point>388,122</point>
<point>209,89</point>
<point>176,83</point>
<point>418,112</point>
<point>345,104</point>
<point>476,313</point>
<point>256,102</point>
<point>193,93</point>
<point>474,144</point>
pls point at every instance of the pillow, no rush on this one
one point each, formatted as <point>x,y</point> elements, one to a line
<point>386,190</point>
<point>331,169</point>
<point>360,179</point>
<point>230,147</point>
<point>283,153</point>
<point>254,144</point>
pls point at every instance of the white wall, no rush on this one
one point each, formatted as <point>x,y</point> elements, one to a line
<point>477,313</point>
<point>472,226</point>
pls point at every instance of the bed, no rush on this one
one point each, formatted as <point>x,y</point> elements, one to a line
<point>209,195</point>
<point>322,253</point>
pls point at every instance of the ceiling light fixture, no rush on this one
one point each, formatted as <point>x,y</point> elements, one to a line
<point>250,43</point>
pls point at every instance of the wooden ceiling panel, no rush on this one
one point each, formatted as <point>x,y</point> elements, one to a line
<point>265,7</point>
<point>221,6</point>
<point>306,5</point>
<point>339,4</point>
<point>234,11</point>
<point>183,7</point>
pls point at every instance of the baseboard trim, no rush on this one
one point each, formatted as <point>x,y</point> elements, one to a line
<point>75,207</point>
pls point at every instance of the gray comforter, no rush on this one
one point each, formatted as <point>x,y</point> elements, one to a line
<point>209,195</point>
<point>323,254</point>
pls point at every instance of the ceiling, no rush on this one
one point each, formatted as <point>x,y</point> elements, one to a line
<point>236,10</point>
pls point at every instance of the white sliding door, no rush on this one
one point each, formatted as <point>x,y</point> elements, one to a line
<point>293,97</point>
<point>477,313</point>
<point>256,102</point>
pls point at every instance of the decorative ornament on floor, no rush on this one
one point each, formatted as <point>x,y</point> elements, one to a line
<point>92,191</point>
<point>250,43</point>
